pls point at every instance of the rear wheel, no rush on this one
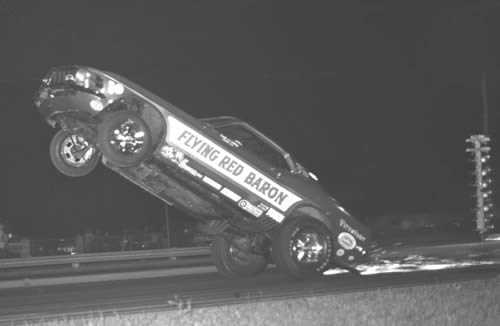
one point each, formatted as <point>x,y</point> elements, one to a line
<point>233,257</point>
<point>72,154</point>
<point>302,248</point>
<point>124,139</point>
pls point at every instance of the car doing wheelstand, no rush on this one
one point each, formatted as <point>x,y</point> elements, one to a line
<point>254,199</point>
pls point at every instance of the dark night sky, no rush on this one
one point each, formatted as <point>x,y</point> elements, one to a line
<point>376,97</point>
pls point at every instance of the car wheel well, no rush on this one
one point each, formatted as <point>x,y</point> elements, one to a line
<point>151,116</point>
<point>76,122</point>
<point>310,211</point>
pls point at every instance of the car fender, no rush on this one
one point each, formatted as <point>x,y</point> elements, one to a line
<point>315,213</point>
<point>341,225</point>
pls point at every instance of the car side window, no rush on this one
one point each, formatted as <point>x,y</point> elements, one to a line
<point>251,142</point>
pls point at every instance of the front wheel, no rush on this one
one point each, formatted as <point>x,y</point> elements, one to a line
<point>302,247</point>
<point>233,257</point>
<point>72,154</point>
<point>124,139</point>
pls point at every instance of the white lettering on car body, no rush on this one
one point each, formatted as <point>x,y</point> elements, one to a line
<point>352,230</point>
<point>216,157</point>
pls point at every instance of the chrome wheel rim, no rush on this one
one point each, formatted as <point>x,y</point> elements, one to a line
<point>76,151</point>
<point>308,247</point>
<point>128,137</point>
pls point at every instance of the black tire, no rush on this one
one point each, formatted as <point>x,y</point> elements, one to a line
<point>232,260</point>
<point>124,155</point>
<point>73,155</point>
<point>286,247</point>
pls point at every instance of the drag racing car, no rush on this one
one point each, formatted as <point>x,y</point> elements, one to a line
<point>251,196</point>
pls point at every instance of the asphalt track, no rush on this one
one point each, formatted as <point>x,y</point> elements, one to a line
<point>202,290</point>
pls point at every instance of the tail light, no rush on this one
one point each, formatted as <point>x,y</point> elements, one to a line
<point>97,83</point>
<point>86,79</point>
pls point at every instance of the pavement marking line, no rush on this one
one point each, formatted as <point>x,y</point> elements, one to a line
<point>24,283</point>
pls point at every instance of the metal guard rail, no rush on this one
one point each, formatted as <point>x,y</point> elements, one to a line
<point>112,256</point>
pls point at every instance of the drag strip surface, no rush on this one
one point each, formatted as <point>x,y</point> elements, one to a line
<point>193,291</point>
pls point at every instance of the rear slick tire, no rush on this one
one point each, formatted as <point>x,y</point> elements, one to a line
<point>124,139</point>
<point>233,260</point>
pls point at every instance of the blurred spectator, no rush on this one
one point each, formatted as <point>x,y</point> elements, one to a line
<point>79,243</point>
<point>151,238</point>
<point>88,240</point>
<point>4,238</point>
<point>124,240</point>
<point>156,240</point>
<point>98,245</point>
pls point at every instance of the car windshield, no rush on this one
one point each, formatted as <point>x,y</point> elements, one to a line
<point>251,142</point>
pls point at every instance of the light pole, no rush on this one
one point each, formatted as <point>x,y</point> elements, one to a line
<point>484,97</point>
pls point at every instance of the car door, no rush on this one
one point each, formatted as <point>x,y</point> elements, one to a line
<point>245,169</point>
<point>267,160</point>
